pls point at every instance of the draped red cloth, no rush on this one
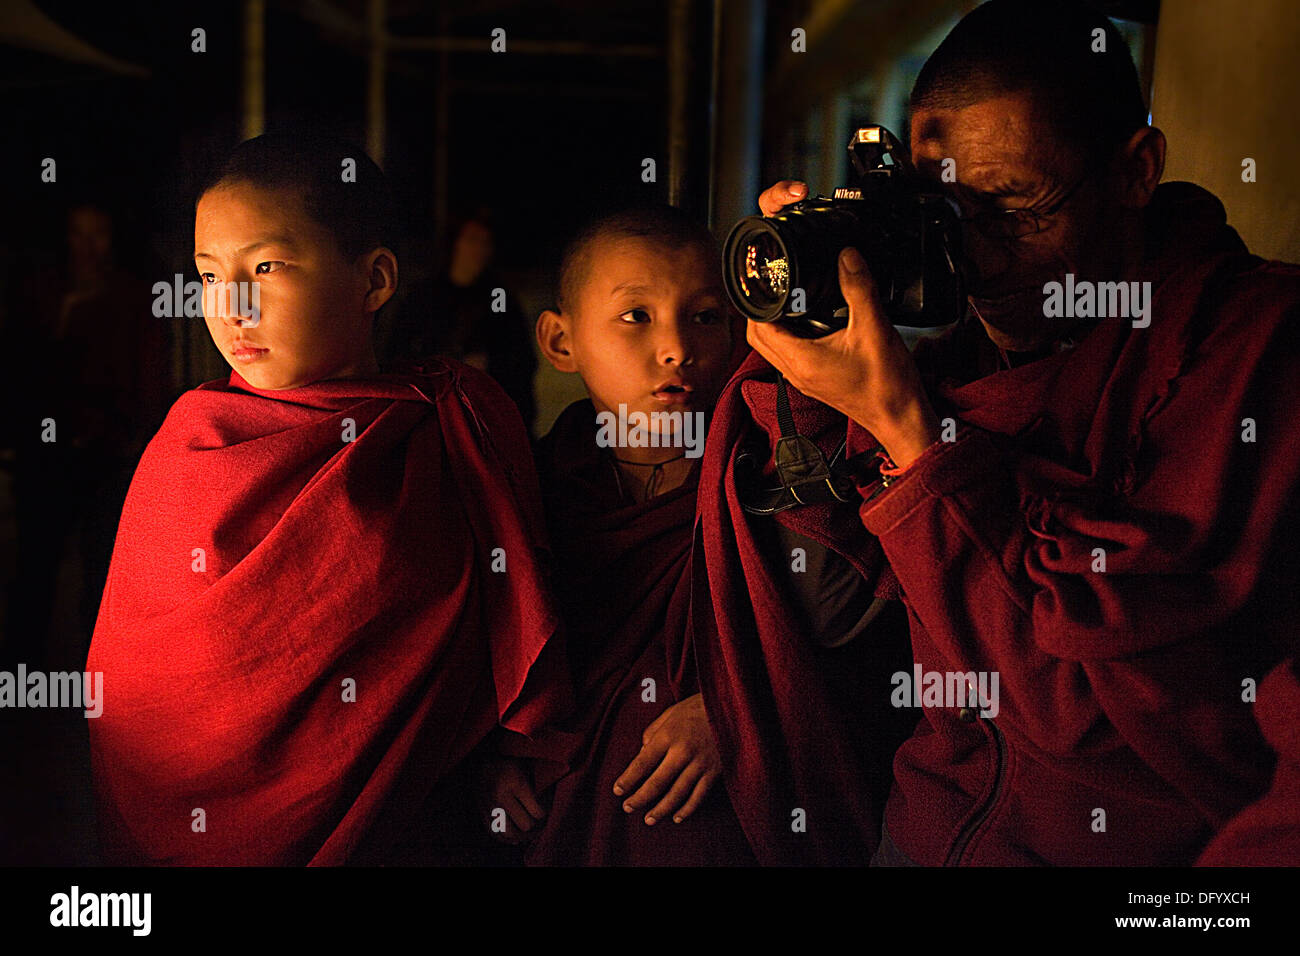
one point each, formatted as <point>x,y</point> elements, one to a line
<point>1267,833</point>
<point>623,582</point>
<point>1170,453</point>
<point>801,727</point>
<point>281,551</point>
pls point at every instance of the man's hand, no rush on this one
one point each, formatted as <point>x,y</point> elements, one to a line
<point>864,370</point>
<point>680,749</point>
<point>775,198</point>
<point>509,788</point>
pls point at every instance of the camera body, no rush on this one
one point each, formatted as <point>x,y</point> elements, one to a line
<point>784,268</point>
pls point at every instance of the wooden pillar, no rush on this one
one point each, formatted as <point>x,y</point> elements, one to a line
<point>254,111</point>
<point>376,112</point>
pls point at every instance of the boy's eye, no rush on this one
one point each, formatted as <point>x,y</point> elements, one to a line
<point>266,267</point>
<point>207,278</point>
<point>708,317</point>
<point>635,315</point>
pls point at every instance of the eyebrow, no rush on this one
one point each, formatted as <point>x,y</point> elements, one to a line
<point>993,189</point>
<point>258,244</point>
<point>630,287</point>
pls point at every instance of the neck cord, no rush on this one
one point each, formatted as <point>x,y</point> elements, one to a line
<point>652,483</point>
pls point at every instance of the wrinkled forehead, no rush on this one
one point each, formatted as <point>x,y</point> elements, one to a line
<point>1010,135</point>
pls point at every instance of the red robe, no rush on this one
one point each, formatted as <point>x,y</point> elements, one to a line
<point>623,582</point>
<point>1267,833</point>
<point>801,727</point>
<point>1122,737</point>
<point>267,569</point>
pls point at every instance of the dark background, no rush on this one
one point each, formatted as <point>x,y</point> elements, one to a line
<point>545,134</point>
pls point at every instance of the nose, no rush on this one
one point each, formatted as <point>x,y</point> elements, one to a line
<point>673,344</point>
<point>986,259</point>
<point>234,302</point>
<point>220,301</point>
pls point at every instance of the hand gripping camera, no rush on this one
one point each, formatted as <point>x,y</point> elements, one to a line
<point>783,268</point>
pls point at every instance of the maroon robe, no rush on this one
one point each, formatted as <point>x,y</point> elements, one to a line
<point>302,632</point>
<point>1121,736</point>
<point>1173,454</point>
<point>1267,833</point>
<point>806,732</point>
<point>623,582</point>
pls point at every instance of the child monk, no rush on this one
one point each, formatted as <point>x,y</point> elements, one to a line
<point>324,592</point>
<point>643,319</point>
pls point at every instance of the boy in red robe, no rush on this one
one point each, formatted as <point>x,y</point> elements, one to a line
<point>325,590</point>
<point>642,317</point>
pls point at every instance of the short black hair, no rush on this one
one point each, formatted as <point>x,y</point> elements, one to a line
<point>360,214</point>
<point>1094,100</point>
<point>657,222</point>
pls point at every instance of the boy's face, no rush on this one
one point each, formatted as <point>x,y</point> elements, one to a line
<point>649,328</point>
<point>314,322</point>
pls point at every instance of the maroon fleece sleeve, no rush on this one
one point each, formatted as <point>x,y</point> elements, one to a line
<point>998,548</point>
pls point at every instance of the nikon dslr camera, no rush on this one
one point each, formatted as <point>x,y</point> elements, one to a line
<point>783,268</point>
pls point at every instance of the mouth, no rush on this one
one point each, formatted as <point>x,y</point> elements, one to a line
<point>247,352</point>
<point>674,393</point>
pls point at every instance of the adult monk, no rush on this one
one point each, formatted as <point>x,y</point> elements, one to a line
<point>1111,528</point>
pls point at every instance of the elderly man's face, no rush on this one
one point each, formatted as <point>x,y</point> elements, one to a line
<point>1007,157</point>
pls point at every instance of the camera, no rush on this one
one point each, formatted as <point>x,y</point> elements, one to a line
<point>784,268</point>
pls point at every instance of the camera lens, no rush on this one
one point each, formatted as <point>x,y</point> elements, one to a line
<point>766,268</point>
<point>759,270</point>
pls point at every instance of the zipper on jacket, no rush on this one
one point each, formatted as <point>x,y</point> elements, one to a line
<point>986,807</point>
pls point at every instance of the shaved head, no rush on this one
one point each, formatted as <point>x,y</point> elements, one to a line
<point>1084,81</point>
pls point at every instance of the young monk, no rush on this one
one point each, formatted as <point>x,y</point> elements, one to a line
<point>302,633</point>
<point>643,319</point>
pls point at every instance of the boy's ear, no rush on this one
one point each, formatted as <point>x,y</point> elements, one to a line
<point>553,339</point>
<point>380,268</point>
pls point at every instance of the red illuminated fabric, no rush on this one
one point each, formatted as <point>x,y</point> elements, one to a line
<point>265,564</point>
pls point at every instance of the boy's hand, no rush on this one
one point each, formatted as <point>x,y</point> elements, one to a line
<point>510,788</point>
<point>680,750</point>
<point>775,198</point>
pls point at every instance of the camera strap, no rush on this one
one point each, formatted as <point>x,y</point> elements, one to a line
<point>806,476</point>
